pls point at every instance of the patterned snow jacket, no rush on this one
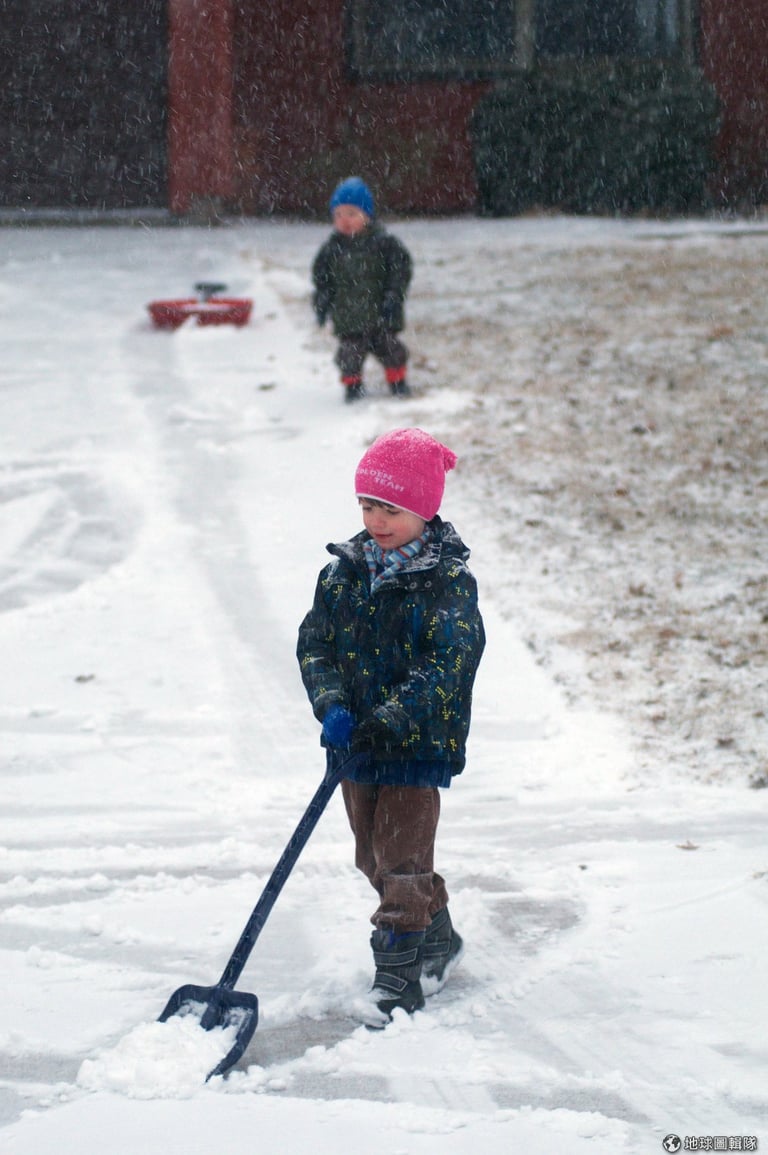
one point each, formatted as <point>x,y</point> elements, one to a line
<point>406,655</point>
<point>355,276</point>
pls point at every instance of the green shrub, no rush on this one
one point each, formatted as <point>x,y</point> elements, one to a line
<point>619,140</point>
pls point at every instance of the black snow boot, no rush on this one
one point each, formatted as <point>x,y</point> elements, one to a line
<point>400,388</point>
<point>443,948</point>
<point>354,391</point>
<point>398,971</point>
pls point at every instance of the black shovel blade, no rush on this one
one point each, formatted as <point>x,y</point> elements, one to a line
<point>218,1007</point>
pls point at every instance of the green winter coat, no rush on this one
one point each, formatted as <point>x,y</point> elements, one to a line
<point>361,282</point>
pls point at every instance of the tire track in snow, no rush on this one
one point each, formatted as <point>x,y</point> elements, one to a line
<point>204,416</point>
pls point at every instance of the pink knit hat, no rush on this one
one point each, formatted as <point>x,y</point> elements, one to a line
<point>405,468</point>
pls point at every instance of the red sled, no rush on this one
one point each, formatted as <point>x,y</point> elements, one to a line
<point>208,308</point>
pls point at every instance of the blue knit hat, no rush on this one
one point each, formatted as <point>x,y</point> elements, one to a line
<point>354,191</point>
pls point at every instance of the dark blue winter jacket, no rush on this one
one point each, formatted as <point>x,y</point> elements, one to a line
<point>404,656</point>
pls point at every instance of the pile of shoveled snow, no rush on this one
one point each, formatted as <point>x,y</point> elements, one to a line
<point>169,1060</point>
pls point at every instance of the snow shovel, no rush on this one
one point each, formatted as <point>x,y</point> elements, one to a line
<point>221,1005</point>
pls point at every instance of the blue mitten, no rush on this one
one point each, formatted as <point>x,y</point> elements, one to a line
<point>338,724</point>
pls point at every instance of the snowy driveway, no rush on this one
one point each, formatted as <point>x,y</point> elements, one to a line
<point>164,504</point>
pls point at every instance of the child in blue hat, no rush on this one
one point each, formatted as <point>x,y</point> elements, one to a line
<point>361,275</point>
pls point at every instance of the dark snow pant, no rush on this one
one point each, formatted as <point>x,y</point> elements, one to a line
<point>394,829</point>
<point>385,346</point>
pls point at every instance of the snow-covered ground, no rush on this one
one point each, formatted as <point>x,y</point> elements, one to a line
<point>165,500</point>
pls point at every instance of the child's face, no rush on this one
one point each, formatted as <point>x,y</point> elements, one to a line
<point>349,220</point>
<point>389,526</point>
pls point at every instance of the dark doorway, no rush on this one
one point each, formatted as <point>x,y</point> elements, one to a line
<point>83,103</point>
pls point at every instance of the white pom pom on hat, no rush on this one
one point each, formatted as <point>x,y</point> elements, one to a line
<point>405,468</point>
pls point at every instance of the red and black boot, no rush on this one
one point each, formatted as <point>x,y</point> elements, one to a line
<point>353,388</point>
<point>398,386</point>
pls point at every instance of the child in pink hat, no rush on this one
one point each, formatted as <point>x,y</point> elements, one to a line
<point>388,655</point>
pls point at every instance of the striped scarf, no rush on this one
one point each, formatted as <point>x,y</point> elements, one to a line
<point>382,565</point>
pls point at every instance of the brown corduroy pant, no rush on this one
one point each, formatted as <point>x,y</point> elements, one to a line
<point>394,829</point>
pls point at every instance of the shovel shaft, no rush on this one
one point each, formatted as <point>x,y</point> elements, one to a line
<point>279,876</point>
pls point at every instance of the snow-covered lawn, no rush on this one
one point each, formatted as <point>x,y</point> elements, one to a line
<point>165,500</point>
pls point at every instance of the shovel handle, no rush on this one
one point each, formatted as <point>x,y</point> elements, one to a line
<point>285,865</point>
